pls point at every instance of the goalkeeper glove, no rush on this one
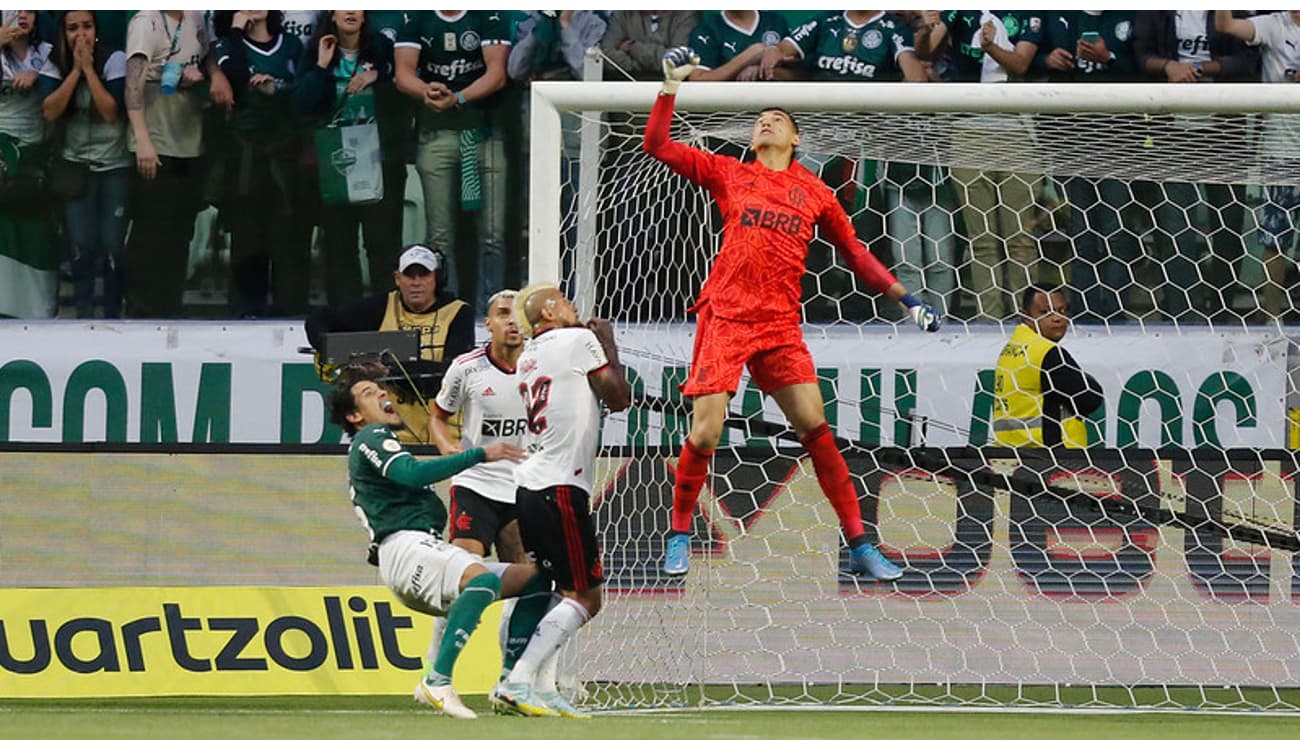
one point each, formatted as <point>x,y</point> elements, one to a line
<point>679,62</point>
<point>922,314</point>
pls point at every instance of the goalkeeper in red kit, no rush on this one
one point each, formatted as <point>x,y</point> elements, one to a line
<point>748,312</point>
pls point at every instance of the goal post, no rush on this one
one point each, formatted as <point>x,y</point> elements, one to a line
<point>1156,571</point>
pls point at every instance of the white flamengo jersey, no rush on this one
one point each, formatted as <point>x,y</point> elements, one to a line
<point>487,395</point>
<point>563,412</point>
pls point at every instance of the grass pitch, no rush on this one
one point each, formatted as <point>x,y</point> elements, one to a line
<point>388,717</point>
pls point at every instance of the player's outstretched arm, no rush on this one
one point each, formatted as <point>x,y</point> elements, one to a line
<point>700,167</point>
<point>409,471</point>
<point>837,228</point>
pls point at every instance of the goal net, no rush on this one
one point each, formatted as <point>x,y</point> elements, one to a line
<point>1154,570</point>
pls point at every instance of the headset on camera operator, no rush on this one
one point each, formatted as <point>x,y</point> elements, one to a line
<point>420,302</point>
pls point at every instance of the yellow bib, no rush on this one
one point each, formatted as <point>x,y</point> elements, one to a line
<point>433,327</point>
<point>1018,391</point>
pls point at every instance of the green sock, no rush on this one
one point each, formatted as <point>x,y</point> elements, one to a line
<point>462,619</point>
<point>534,602</point>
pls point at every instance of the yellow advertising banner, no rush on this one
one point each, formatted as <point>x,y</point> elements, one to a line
<point>218,640</point>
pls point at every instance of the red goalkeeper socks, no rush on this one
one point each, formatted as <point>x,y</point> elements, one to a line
<point>833,476</point>
<point>692,470</point>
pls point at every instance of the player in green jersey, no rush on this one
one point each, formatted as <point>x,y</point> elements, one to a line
<point>393,497</point>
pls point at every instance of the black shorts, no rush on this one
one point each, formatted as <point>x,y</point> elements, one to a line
<point>473,516</point>
<point>560,536</point>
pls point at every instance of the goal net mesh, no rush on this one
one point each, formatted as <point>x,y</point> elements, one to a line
<point>1155,571</point>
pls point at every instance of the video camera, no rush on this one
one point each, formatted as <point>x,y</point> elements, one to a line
<point>392,358</point>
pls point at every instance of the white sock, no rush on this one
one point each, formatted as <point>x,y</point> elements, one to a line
<point>545,680</point>
<point>439,627</point>
<point>503,632</point>
<point>556,627</point>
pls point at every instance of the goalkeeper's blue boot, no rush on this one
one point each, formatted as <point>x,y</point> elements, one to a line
<point>865,559</point>
<point>677,558</point>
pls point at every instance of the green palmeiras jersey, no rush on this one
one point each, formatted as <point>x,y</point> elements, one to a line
<point>392,490</point>
<point>716,40</point>
<point>836,49</point>
<point>259,111</point>
<point>451,52</point>
<point>964,27</point>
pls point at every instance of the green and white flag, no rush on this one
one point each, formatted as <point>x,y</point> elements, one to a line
<point>348,155</point>
<point>29,252</point>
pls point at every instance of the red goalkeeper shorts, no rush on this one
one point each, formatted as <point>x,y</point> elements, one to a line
<point>774,352</point>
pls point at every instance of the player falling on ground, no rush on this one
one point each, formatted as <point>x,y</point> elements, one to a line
<point>392,493</point>
<point>748,312</point>
<point>481,385</point>
<point>565,372</point>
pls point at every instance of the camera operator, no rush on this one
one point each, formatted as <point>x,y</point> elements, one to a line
<point>420,302</point>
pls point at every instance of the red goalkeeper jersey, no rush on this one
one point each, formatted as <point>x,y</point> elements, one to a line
<point>769,217</point>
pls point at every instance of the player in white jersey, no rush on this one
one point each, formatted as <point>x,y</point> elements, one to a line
<point>1278,37</point>
<point>565,372</point>
<point>482,386</point>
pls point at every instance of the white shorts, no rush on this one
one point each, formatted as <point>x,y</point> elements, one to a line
<point>423,571</point>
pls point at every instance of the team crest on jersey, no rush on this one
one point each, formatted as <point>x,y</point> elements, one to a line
<point>1123,30</point>
<point>872,38</point>
<point>771,38</point>
<point>797,196</point>
<point>850,43</point>
<point>449,41</point>
<point>469,40</point>
<point>391,445</point>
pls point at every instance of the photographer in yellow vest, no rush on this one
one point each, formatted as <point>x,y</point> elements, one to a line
<point>419,302</point>
<point>1041,392</point>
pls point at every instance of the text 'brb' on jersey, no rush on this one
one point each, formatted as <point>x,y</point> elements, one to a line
<point>486,393</point>
<point>563,412</point>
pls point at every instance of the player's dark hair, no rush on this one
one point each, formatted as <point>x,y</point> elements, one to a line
<point>1036,288</point>
<point>341,402</point>
<point>793,122</point>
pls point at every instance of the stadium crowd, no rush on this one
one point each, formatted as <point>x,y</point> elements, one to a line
<point>148,158</point>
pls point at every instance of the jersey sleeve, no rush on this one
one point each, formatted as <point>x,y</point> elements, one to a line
<point>408,35</point>
<point>221,51</point>
<point>1031,27</point>
<point>902,38</point>
<point>804,38</point>
<point>838,230</point>
<point>452,393</point>
<point>495,28</point>
<point>1267,30</point>
<point>588,355</point>
<point>140,36</point>
<point>115,67</point>
<point>700,167</point>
